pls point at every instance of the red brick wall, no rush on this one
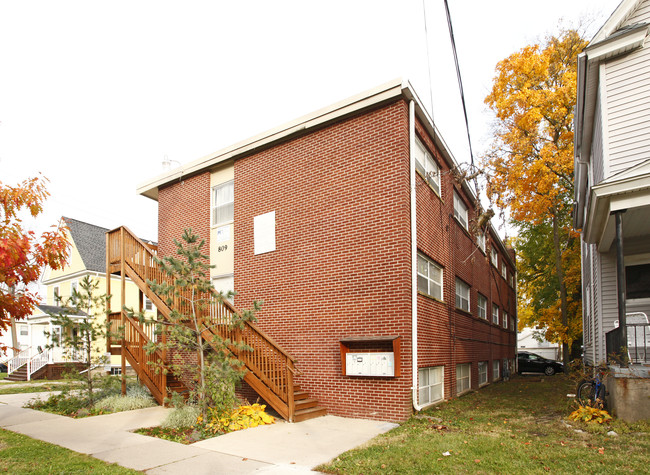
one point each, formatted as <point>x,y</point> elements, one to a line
<point>181,205</point>
<point>342,265</point>
<point>448,336</point>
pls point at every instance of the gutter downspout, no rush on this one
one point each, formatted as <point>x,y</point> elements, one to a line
<point>414,260</point>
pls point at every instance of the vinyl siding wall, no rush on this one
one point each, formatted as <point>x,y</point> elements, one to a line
<point>628,103</point>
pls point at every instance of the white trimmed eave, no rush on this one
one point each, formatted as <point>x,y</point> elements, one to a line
<point>624,194</point>
<point>587,95</point>
<point>385,92</point>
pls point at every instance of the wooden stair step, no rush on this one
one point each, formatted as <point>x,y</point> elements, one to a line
<point>312,412</point>
<point>300,395</point>
<point>306,403</point>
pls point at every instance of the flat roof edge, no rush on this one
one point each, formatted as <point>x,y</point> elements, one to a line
<point>321,116</point>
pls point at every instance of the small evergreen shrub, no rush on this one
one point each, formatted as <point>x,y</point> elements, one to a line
<point>181,417</point>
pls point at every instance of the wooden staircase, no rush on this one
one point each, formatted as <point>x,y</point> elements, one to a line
<point>270,370</point>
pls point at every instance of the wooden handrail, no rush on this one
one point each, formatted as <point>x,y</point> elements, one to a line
<point>271,365</point>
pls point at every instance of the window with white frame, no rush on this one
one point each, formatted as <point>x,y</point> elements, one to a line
<point>460,211</point>
<point>512,323</point>
<point>223,203</point>
<point>427,166</point>
<point>429,277</point>
<point>504,270</point>
<point>482,373</point>
<point>495,314</point>
<point>480,240</point>
<point>481,302</point>
<point>511,280</point>
<point>505,319</point>
<point>462,295</point>
<point>226,285</point>
<point>496,373</point>
<point>430,385</point>
<point>148,304</point>
<point>463,377</point>
<point>24,331</point>
<point>494,257</point>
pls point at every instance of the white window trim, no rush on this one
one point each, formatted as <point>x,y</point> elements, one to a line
<point>495,314</point>
<point>494,257</point>
<point>430,280</point>
<point>480,240</point>
<point>482,373</point>
<point>461,211</point>
<point>460,298</point>
<point>431,386</point>
<point>214,205</point>
<point>429,168</point>
<point>505,319</point>
<point>504,270</point>
<point>483,308</point>
<point>496,370</point>
<point>460,379</point>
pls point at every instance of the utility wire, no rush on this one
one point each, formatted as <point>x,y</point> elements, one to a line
<point>460,82</point>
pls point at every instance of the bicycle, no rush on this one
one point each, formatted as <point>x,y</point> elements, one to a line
<point>592,391</point>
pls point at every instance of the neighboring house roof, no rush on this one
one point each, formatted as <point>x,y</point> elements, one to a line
<point>90,241</point>
<point>56,310</point>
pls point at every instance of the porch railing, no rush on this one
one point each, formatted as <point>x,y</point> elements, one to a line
<point>19,360</point>
<point>638,342</point>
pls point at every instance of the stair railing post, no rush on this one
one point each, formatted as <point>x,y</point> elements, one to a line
<point>122,304</point>
<point>291,404</point>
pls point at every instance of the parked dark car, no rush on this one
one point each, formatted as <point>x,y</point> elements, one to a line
<point>532,363</point>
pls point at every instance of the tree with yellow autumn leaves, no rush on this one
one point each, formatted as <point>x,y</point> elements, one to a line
<point>529,166</point>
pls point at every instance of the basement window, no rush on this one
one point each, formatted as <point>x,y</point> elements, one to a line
<point>430,385</point>
<point>463,378</point>
<point>495,370</point>
<point>482,373</point>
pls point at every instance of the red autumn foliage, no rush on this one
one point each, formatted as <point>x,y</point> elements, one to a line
<point>23,253</point>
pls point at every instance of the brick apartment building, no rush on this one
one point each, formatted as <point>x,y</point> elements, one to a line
<point>352,229</point>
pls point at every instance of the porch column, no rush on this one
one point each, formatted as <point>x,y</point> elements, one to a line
<point>620,279</point>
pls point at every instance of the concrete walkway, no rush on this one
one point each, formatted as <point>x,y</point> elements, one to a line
<point>277,448</point>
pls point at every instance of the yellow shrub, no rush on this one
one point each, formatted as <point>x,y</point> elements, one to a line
<point>590,414</point>
<point>241,418</point>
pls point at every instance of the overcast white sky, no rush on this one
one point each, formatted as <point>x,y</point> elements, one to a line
<point>93,95</point>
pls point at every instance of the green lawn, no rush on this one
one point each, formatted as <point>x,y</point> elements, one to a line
<point>21,454</point>
<point>520,426</point>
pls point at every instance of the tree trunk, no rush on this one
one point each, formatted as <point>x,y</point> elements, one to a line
<point>563,296</point>
<point>14,333</point>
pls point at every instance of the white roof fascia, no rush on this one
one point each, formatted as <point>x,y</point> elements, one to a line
<point>601,202</point>
<point>588,78</point>
<point>618,16</point>
<point>340,109</point>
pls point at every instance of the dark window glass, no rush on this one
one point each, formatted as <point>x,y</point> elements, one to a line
<point>637,279</point>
